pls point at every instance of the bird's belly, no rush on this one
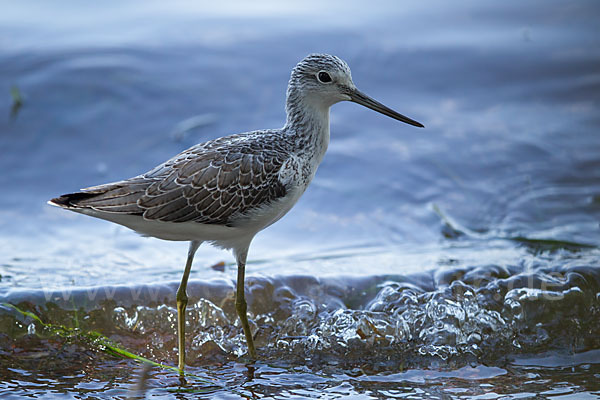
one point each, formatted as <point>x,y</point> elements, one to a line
<point>179,231</point>
<point>264,216</point>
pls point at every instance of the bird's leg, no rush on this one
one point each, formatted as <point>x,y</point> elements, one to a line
<point>241,308</point>
<point>182,301</point>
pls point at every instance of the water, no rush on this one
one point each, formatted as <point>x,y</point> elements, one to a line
<point>458,261</point>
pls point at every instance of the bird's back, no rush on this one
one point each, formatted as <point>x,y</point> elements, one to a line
<point>220,182</point>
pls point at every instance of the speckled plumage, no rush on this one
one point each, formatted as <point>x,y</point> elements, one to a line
<point>226,190</point>
<point>217,182</point>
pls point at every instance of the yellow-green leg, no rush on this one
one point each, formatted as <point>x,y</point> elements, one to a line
<point>182,301</point>
<point>241,307</point>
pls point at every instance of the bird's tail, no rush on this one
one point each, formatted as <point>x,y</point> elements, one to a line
<point>71,200</point>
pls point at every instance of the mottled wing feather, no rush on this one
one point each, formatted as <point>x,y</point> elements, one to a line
<point>212,183</point>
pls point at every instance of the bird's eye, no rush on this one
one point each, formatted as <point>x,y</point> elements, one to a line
<point>324,77</point>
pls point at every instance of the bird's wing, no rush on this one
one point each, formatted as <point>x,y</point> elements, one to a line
<point>208,183</point>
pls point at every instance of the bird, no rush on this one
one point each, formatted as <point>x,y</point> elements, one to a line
<point>224,191</point>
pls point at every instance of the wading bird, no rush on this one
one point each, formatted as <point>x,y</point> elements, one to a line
<point>226,190</point>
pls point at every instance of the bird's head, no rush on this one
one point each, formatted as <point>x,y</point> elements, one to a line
<point>323,80</point>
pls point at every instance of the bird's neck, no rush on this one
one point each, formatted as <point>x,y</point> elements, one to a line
<point>308,122</point>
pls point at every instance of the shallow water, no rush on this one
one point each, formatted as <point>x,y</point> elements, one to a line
<point>457,261</point>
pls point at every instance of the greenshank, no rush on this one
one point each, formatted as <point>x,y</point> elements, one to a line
<point>226,190</point>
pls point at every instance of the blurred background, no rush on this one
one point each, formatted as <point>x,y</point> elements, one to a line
<point>506,172</point>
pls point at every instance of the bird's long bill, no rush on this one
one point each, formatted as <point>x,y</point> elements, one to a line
<point>360,98</point>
